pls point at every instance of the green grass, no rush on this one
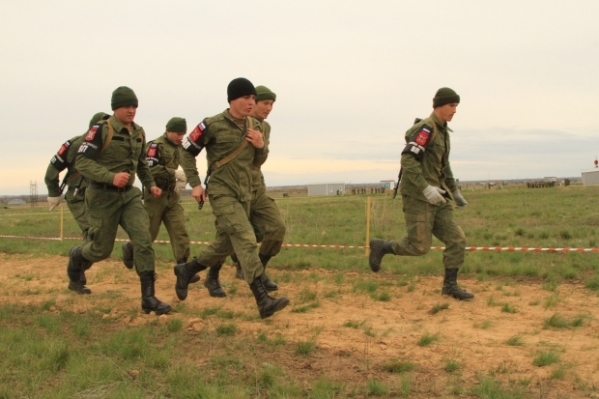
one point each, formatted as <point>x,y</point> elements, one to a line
<point>515,340</point>
<point>439,307</point>
<point>545,358</point>
<point>428,339</point>
<point>493,217</point>
<point>52,354</point>
<point>398,366</point>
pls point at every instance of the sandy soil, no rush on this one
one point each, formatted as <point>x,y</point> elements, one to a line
<point>472,333</point>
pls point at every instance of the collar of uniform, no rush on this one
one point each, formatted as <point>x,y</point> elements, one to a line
<point>230,117</point>
<point>118,126</point>
<point>438,122</point>
<point>166,140</point>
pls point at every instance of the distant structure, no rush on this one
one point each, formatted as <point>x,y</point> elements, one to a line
<point>33,192</point>
<point>16,201</point>
<point>596,162</point>
<point>326,189</point>
<point>590,177</point>
<point>390,184</point>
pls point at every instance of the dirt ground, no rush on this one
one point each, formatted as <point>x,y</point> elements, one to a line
<point>472,334</point>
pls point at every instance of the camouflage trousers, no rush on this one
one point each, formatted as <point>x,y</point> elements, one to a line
<point>106,211</point>
<point>76,205</point>
<point>167,209</point>
<point>266,218</point>
<point>234,234</point>
<point>424,220</point>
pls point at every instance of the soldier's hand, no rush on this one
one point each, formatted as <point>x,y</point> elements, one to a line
<point>155,191</point>
<point>120,179</point>
<point>198,193</point>
<point>255,138</point>
<point>460,201</point>
<point>53,202</point>
<point>434,195</point>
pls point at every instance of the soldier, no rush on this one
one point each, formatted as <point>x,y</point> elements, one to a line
<point>65,159</point>
<point>425,189</point>
<point>163,155</point>
<point>264,214</point>
<point>234,144</point>
<point>109,157</point>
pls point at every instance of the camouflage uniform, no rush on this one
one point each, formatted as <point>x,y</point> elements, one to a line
<point>265,217</point>
<point>108,206</point>
<point>423,220</point>
<point>65,159</point>
<point>425,166</point>
<point>229,189</point>
<point>163,158</point>
<point>109,150</point>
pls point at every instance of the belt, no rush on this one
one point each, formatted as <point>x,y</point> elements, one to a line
<point>109,187</point>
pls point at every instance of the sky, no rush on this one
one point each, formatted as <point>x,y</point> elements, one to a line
<point>350,77</point>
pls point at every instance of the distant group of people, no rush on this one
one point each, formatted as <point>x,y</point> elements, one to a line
<point>102,163</point>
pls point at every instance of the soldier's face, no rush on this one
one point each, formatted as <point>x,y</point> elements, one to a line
<point>263,108</point>
<point>175,138</point>
<point>242,106</point>
<point>446,112</point>
<point>125,114</point>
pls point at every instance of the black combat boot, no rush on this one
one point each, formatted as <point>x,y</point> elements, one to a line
<point>451,287</point>
<point>212,283</point>
<point>75,270</point>
<point>149,303</point>
<point>238,270</point>
<point>268,283</point>
<point>195,278</point>
<point>378,249</point>
<point>128,254</point>
<point>185,273</point>
<point>266,304</point>
<point>84,266</point>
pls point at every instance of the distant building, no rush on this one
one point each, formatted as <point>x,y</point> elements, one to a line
<point>326,189</point>
<point>390,184</point>
<point>590,177</point>
<point>16,201</point>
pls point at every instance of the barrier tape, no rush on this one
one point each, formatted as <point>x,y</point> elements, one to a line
<point>336,246</point>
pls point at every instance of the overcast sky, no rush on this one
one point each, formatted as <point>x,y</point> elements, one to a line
<point>350,78</point>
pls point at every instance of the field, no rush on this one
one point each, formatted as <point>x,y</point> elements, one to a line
<point>531,331</point>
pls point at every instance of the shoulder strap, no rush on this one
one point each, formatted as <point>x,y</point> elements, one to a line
<point>434,129</point>
<point>235,153</point>
<point>109,137</point>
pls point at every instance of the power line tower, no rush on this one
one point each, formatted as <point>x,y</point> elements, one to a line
<point>33,192</point>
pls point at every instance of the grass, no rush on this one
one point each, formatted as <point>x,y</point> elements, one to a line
<point>515,340</point>
<point>545,358</point>
<point>557,321</point>
<point>439,307</point>
<point>52,353</point>
<point>428,339</point>
<point>398,366</point>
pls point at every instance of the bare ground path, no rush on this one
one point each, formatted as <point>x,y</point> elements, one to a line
<point>358,333</point>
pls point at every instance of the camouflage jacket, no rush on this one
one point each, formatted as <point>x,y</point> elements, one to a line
<point>221,136</point>
<point>64,159</point>
<point>433,168</point>
<point>257,176</point>
<point>163,159</point>
<point>124,153</point>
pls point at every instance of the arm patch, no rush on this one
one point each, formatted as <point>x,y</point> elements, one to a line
<point>59,160</point>
<point>195,141</point>
<point>152,155</point>
<point>92,143</point>
<point>417,144</point>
